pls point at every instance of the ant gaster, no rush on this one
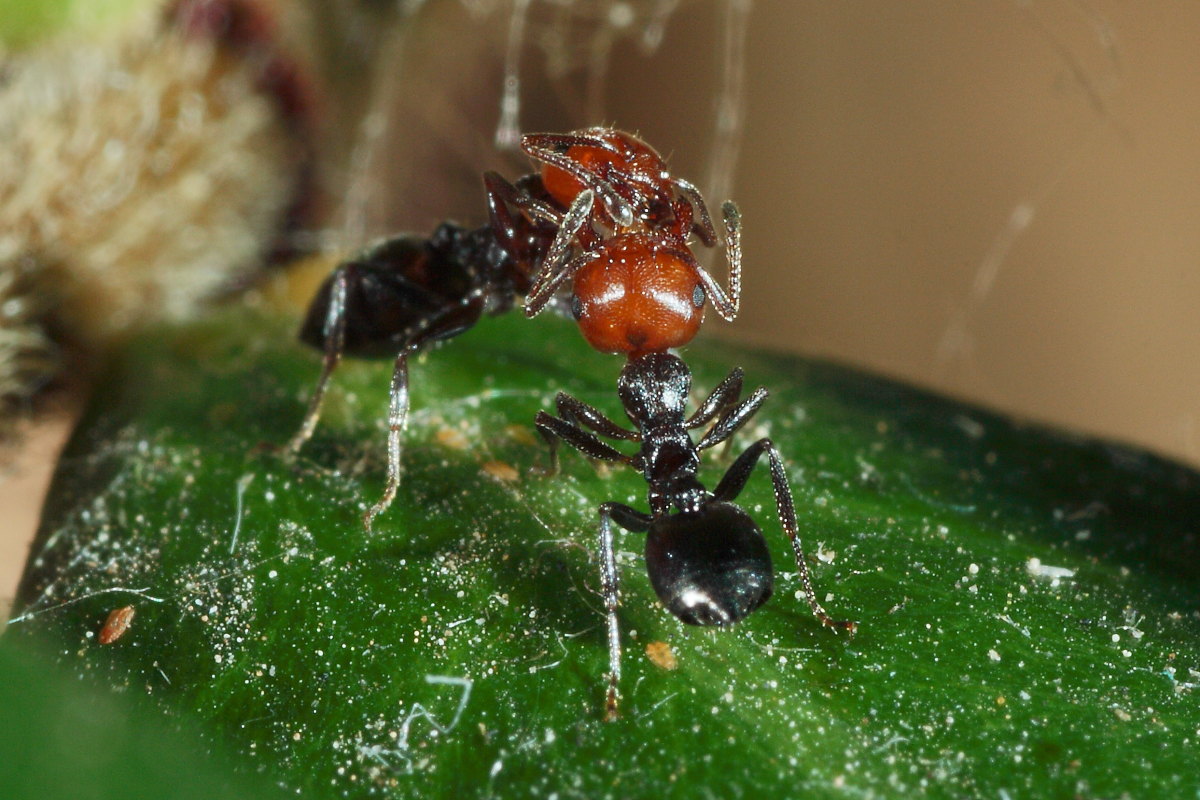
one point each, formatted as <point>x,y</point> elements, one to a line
<point>706,557</point>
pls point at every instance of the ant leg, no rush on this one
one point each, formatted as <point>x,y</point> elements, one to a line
<point>579,413</point>
<point>555,269</point>
<point>733,420</point>
<point>397,420</point>
<point>727,305</point>
<point>334,333</point>
<point>703,225</point>
<point>718,401</point>
<point>500,195</point>
<point>732,484</point>
<point>554,430</point>
<point>551,148</point>
<point>631,520</point>
<point>448,320</point>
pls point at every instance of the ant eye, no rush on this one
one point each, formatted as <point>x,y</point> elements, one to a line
<point>576,307</point>
<point>698,296</point>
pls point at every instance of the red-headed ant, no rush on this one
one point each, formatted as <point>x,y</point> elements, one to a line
<point>707,560</point>
<point>638,290</point>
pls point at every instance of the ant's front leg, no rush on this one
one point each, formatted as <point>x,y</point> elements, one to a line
<point>720,400</point>
<point>631,520</point>
<point>719,403</point>
<point>731,486</point>
<point>554,430</point>
<point>555,268</point>
<point>578,413</point>
<point>727,305</point>
<point>334,335</point>
<point>733,420</point>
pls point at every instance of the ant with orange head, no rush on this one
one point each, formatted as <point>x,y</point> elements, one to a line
<point>637,290</point>
<point>706,557</point>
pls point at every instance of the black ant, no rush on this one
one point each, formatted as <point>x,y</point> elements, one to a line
<point>637,289</point>
<point>407,293</point>
<point>708,561</point>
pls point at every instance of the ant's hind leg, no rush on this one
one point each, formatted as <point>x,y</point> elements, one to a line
<point>397,421</point>
<point>631,520</point>
<point>334,334</point>
<point>731,486</point>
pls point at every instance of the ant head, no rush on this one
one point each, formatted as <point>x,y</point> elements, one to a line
<point>637,295</point>
<point>709,567</point>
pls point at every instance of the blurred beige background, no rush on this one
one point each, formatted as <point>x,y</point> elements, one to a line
<point>997,199</point>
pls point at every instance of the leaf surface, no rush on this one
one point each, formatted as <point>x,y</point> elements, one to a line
<point>1027,599</point>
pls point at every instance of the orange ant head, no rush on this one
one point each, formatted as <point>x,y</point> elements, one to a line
<point>637,296</point>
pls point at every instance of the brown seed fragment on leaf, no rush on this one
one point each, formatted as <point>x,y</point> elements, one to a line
<point>502,471</point>
<point>119,620</point>
<point>522,435</point>
<point>452,438</point>
<point>661,654</point>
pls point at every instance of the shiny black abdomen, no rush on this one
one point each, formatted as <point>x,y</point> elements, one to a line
<point>408,291</point>
<point>709,567</point>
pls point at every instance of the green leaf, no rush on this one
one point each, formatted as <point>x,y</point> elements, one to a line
<point>1027,599</point>
<point>59,739</point>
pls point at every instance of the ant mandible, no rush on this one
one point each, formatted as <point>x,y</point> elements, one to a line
<point>623,240</point>
<point>706,557</point>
